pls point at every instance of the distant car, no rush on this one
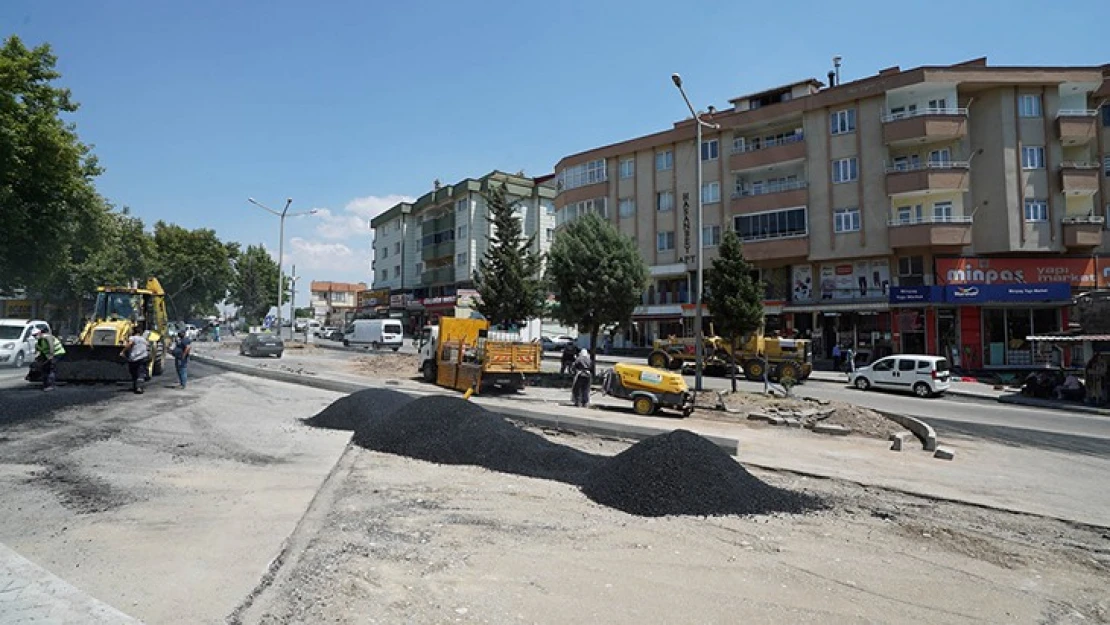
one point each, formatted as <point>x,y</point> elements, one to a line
<point>191,331</point>
<point>924,376</point>
<point>336,335</point>
<point>17,348</point>
<point>300,324</point>
<point>555,344</point>
<point>262,344</point>
<point>325,331</point>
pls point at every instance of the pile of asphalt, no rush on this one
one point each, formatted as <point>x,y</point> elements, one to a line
<point>347,413</point>
<point>681,473</point>
<point>450,430</point>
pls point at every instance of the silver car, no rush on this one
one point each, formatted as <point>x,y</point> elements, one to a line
<point>262,344</point>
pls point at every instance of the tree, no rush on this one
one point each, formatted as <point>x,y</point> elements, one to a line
<point>304,313</point>
<point>47,200</point>
<point>194,267</point>
<point>254,287</point>
<point>508,281</point>
<point>597,275</point>
<point>733,298</point>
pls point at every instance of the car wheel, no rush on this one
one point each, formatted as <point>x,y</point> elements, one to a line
<point>346,343</point>
<point>863,383</point>
<point>922,389</point>
<point>396,348</point>
<point>375,344</point>
<point>18,360</point>
<point>278,354</point>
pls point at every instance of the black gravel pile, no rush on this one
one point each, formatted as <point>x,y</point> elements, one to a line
<point>451,430</point>
<point>683,473</point>
<point>371,404</point>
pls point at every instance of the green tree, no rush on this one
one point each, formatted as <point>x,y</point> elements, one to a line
<point>510,288</point>
<point>733,298</point>
<point>254,287</point>
<point>304,313</point>
<point>47,200</point>
<point>194,267</point>
<point>597,276</point>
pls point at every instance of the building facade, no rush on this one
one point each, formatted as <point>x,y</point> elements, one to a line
<point>335,303</point>
<point>867,206</point>
<point>426,252</point>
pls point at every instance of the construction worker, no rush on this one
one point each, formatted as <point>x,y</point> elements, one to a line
<point>48,350</point>
<point>137,352</point>
<point>580,390</point>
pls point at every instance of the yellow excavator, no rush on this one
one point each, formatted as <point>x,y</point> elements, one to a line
<point>95,357</point>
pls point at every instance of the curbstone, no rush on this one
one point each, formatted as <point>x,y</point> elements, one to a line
<point>759,416</point>
<point>898,440</point>
<point>944,453</point>
<point>831,428</point>
<point>922,430</point>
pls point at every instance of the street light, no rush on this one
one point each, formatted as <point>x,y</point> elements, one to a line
<point>699,339</point>
<point>281,242</point>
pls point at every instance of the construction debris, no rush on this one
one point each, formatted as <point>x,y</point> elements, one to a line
<point>346,413</point>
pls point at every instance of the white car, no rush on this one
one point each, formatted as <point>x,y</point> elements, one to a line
<point>191,332</point>
<point>17,348</point>
<point>924,376</point>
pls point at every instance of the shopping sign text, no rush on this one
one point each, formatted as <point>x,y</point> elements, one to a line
<point>1077,271</point>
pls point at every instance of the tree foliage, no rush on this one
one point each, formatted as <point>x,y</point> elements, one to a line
<point>194,267</point>
<point>733,298</point>
<point>510,288</point>
<point>48,203</point>
<point>254,286</point>
<point>597,275</point>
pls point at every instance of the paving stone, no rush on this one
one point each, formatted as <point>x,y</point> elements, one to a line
<point>759,416</point>
<point>944,453</point>
<point>831,428</point>
<point>899,440</point>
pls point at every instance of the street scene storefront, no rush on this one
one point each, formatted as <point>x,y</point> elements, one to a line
<point>842,303</point>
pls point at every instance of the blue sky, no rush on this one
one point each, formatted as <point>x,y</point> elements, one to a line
<point>351,105</point>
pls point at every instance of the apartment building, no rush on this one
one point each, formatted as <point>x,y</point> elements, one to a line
<point>335,303</point>
<point>873,208</point>
<point>426,252</point>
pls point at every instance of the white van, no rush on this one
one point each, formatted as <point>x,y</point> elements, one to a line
<point>17,348</point>
<point>924,376</point>
<point>375,333</point>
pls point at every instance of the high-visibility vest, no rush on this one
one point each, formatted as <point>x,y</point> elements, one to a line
<point>49,347</point>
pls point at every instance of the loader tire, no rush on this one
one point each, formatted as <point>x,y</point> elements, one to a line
<point>789,369</point>
<point>753,370</point>
<point>659,360</point>
<point>159,366</point>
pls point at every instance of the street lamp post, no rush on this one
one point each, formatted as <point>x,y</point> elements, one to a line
<point>281,244</point>
<point>699,338</point>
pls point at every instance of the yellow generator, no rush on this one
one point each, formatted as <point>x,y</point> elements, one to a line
<point>95,357</point>
<point>649,389</point>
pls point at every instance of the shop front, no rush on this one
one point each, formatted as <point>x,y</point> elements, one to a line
<point>659,321</point>
<point>845,303</point>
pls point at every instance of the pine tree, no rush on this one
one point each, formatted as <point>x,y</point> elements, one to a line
<point>510,289</point>
<point>734,299</point>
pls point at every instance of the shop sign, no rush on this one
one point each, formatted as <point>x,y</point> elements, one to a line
<point>373,298</point>
<point>397,301</point>
<point>861,279</point>
<point>438,301</point>
<point>802,280</point>
<point>466,298</point>
<point>970,270</point>
<point>986,293</point>
<point>915,294</point>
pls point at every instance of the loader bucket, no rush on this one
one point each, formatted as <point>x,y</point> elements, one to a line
<point>82,363</point>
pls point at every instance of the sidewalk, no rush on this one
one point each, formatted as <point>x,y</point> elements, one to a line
<point>31,594</point>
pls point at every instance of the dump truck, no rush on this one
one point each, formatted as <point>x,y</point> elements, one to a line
<point>465,355</point>
<point>780,357</point>
<point>95,356</point>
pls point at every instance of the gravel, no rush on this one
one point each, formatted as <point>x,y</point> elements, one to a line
<point>346,413</point>
<point>681,473</point>
<point>450,430</point>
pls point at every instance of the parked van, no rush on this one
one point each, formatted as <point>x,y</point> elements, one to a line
<point>924,376</point>
<point>375,333</point>
<point>17,348</point>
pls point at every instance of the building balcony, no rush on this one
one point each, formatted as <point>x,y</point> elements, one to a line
<point>770,197</point>
<point>925,126</point>
<point>439,275</point>
<point>1079,178</point>
<point>1083,233</point>
<point>794,247</point>
<point>947,176</point>
<point>438,250</point>
<point>931,232</point>
<point>746,155</point>
<point>1076,126</point>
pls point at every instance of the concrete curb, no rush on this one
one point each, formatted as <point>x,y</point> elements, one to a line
<point>920,429</point>
<point>1019,400</point>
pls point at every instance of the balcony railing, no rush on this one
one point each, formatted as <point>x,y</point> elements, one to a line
<point>891,117</point>
<point>741,147</point>
<point>892,168</point>
<point>1076,113</point>
<point>1084,219</point>
<point>787,234</point>
<point>1078,165</point>
<point>929,219</point>
<point>770,188</point>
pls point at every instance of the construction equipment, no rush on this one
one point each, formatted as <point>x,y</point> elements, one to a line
<point>776,357</point>
<point>465,355</point>
<point>95,356</point>
<point>650,389</point>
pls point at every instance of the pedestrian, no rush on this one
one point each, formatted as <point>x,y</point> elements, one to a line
<point>137,352</point>
<point>566,362</point>
<point>48,349</point>
<point>608,345</point>
<point>836,356</point>
<point>181,351</point>
<point>580,389</point>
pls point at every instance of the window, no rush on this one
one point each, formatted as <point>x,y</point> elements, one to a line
<point>549,235</point>
<point>664,201</point>
<point>664,160</point>
<point>461,259</point>
<point>710,150</point>
<point>1032,157</point>
<point>591,172</point>
<point>1106,159</point>
<point>1036,210</point>
<point>626,207</point>
<point>396,271</point>
<point>1029,105</point>
<point>911,271</point>
<point>846,220</point>
<point>906,163</point>
<point>397,247</point>
<point>905,364</point>
<point>942,211</point>
<point>570,212</point>
<point>909,214</point>
<point>841,122</point>
<point>710,236</point>
<point>710,192</point>
<point>771,225</point>
<point>461,234</point>
<point>941,156</point>
<point>886,364</point>
<point>419,267</point>
<point>385,252</point>
<point>940,104</point>
<point>628,168</point>
<point>664,241</point>
<point>549,209</point>
<point>461,206</point>
<point>1106,115</point>
<point>845,170</point>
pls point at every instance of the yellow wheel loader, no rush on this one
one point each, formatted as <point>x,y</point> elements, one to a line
<point>95,357</point>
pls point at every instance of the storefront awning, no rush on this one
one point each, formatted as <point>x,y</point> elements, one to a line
<point>1074,338</point>
<point>837,306</point>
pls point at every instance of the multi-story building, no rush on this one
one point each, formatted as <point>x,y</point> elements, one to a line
<point>867,205</point>
<point>426,252</point>
<point>335,303</point>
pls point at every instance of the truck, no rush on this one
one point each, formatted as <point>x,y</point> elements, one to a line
<point>375,333</point>
<point>759,354</point>
<point>465,355</point>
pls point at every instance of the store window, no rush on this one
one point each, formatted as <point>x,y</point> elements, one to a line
<point>911,271</point>
<point>1006,333</point>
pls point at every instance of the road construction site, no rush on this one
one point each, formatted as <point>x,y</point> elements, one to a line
<point>221,504</point>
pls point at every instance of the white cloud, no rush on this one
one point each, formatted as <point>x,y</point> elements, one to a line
<point>354,219</point>
<point>318,255</point>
